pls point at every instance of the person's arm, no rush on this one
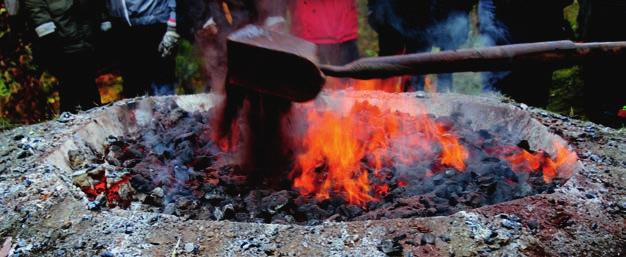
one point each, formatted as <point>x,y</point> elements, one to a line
<point>39,15</point>
<point>170,39</point>
<point>171,21</point>
<point>105,17</point>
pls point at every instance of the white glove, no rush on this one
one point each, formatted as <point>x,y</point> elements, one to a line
<point>105,26</point>
<point>169,43</point>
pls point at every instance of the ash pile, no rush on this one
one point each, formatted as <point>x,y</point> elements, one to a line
<point>173,166</point>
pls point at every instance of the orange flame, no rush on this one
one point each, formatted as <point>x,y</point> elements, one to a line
<point>338,149</point>
<point>525,161</point>
<point>389,85</point>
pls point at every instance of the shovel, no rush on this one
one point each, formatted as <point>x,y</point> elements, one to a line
<point>282,65</point>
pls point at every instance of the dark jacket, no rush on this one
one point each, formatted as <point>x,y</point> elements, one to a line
<point>192,15</point>
<point>75,21</point>
<point>533,20</point>
<point>422,20</point>
<point>409,18</point>
<point>142,12</point>
<point>444,9</point>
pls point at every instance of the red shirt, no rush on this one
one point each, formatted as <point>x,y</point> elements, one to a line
<point>324,21</point>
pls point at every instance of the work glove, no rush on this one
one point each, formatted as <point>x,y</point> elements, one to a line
<point>105,26</point>
<point>169,42</point>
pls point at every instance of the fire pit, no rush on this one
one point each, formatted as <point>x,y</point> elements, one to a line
<point>355,159</point>
<point>441,173</point>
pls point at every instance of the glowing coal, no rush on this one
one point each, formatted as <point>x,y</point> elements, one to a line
<point>352,158</point>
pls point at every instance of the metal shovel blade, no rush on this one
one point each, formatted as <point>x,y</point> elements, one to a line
<point>273,63</point>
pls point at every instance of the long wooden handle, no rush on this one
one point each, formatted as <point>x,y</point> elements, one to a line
<point>497,58</point>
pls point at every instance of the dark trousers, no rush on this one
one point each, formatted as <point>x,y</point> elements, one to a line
<point>338,54</point>
<point>603,83</point>
<point>390,42</point>
<point>76,73</point>
<point>143,69</point>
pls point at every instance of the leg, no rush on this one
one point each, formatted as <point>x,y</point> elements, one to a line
<point>529,86</point>
<point>417,82</point>
<point>163,79</point>
<point>135,61</point>
<point>390,42</point>
<point>78,87</point>
<point>349,52</point>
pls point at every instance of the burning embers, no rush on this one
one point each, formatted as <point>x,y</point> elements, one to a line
<point>342,151</point>
<point>351,160</point>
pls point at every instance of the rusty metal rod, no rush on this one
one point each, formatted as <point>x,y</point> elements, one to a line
<point>544,54</point>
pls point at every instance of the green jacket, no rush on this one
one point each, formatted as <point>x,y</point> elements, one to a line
<point>71,23</point>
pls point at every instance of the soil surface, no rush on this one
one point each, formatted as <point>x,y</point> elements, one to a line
<point>43,214</point>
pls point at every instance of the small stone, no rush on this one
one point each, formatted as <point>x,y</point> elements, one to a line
<point>421,94</point>
<point>595,158</point>
<point>190,248</point>
<point>107,254</point>
<point>23,154</point>
<point>390,247</point>
<point>507,223</point>
<point>157,192</point>
<point>18,137</point>
<point>65,117</point>
<point>21,243</point>
<point>428,239</point>
<point>502,237</point>
<point>533,225</point>
<point>79,245</point>
<point>66,225</point>
<point>87,217</point>
<point>274,202</point>
<point>523,106</point>
<point>60,253</point>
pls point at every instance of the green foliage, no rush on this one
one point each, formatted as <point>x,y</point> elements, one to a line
<point>566,94</point>
<point>571,15</point>
<point>26,94</point>
<point>4,90</point>
<point>6,124</point>
<point>189,68</point>
<point>368,39</point>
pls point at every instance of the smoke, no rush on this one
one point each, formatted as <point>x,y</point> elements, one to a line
<point>491,30</point>
<point>442,26</point>
<point>451,33</point>
<point>161,89</point>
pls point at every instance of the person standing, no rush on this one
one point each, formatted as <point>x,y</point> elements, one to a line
<point>525,21</point>
<point>331,24</point>
<point>65,32</point>
<point>449,31</point>
<point>402,28</point>
<point>598,22</point>
<point>144,34</point>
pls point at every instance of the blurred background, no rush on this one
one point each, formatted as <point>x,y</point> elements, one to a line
<point>28,95</point>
